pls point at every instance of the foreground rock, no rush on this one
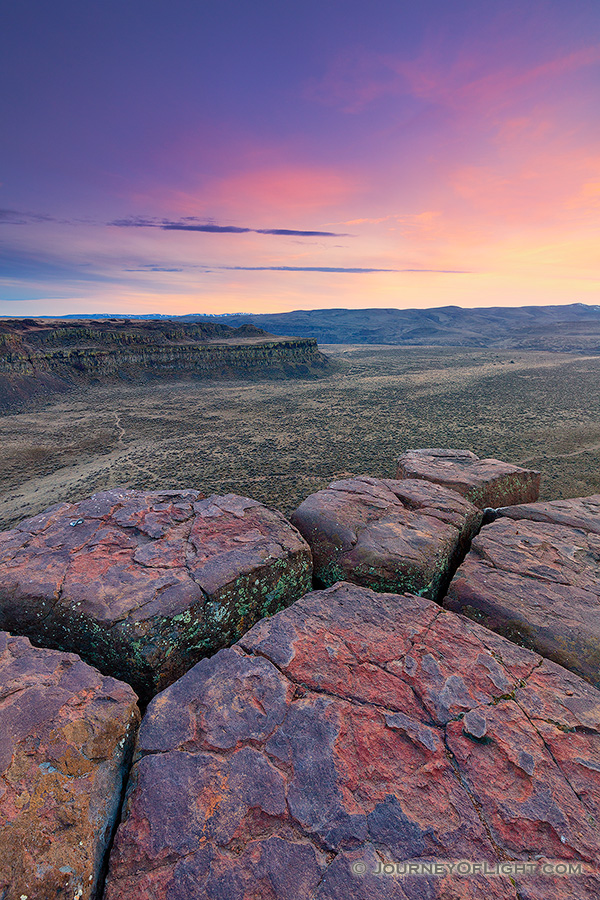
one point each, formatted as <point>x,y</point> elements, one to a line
<point>66,734</point>
<point>144,584</point>
<point>353,730</point>
<point>387,535</point>
<point>576,512</point>
<point>485,482</point>
<point>535,578</point>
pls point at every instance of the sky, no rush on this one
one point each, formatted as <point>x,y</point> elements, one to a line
<point>220,156</point>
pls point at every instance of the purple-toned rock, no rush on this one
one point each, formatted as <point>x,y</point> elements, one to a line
<point>354,731</point>
<point>576,512</point>
<point>66,735</point>
<point>485,482</point>
<point>387,535</point>
<point>143,584</point>
<point>537,582</point>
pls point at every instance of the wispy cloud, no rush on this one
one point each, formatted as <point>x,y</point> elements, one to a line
<point>480,77</point>
<point>154,269</point>
<point>190,224</point>
<point>336,269</point>
<point>38,265</point>
<point>17,217</point>
<point>344,270</point>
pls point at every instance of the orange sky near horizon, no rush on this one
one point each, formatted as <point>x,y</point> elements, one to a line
<point>440,157</point>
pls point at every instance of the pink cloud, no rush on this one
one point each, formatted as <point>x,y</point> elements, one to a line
<point>262,195</point>
<point>290,190</point>
<point>468,83</point>
<point>476,79</point>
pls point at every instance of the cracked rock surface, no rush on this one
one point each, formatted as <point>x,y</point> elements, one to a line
<point>66,735</point>
<point>576,512</point>
<point>356,729</point>
<point>485,482</point>
<point>534,576</point>
<point>143,584</point>
<point>387,535</point>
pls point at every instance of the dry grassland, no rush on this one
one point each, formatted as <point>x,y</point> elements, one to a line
<point>280,440</point>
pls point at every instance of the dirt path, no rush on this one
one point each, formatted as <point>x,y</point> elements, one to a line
<point>120,430</point>
<point>589,448</point>
<point>65,483</point>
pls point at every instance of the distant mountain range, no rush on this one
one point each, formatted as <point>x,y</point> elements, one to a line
<point>575,327</point>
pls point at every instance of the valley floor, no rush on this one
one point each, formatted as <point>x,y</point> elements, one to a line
<point>279,441</point>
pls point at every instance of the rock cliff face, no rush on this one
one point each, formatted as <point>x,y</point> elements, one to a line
<point>39,358</point>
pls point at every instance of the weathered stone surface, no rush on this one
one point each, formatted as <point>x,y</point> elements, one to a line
<point>66,735</point>
<point>387,535</point>
<point>576,512</point>
<point>143,584</point>
<point>355,729</point>
<point>538,583</point>
<point>485,482</point>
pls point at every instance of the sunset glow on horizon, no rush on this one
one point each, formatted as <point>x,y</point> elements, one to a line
<point>226,157</point>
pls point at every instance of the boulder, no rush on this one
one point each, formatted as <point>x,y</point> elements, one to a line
<point>143,584</point>
<point>66,736</point>
<point>485,482</point>
<point>349,735</point>
<point>387,535</point>
<point>537,582</point>
<point>576,512</point>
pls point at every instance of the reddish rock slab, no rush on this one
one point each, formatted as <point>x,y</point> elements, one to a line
<point>537,583</point>
<point>66,736</point>
<point>576,512</point>
<point>485,482</point>
<point>143,584</point>
<point>387,535</point>
<point>354,731</point>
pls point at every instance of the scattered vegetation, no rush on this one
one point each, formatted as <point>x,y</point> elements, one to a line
<point>279,441</point>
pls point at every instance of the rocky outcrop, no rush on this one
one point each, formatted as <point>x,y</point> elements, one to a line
<point>350,734</point>
<point>66,735</point>
<point>534,576</point>
<point>576,512</point>
<point>143,584</point>
<point>485,482</point>
<point>38,358</point>
<point>387,535</point>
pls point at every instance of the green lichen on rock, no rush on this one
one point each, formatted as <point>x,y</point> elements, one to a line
<point>143,585</point>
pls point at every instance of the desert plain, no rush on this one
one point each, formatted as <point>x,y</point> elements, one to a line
<point>280,440</point>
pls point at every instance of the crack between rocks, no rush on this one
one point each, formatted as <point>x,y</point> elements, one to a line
<point>105,862</point>
<point>146,866</point>
<point>577,729</point>
<point>322,692</point>
<point>17,690</point>
<point>500,851</point>
<point>430,721</point>
<point>555,761</point>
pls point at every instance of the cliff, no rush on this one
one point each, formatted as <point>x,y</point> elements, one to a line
<point>38,358</point>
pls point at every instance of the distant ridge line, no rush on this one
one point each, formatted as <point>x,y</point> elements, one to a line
<point>574,327</point>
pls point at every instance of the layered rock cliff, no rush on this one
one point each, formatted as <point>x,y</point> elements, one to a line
<point>38,358</point>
